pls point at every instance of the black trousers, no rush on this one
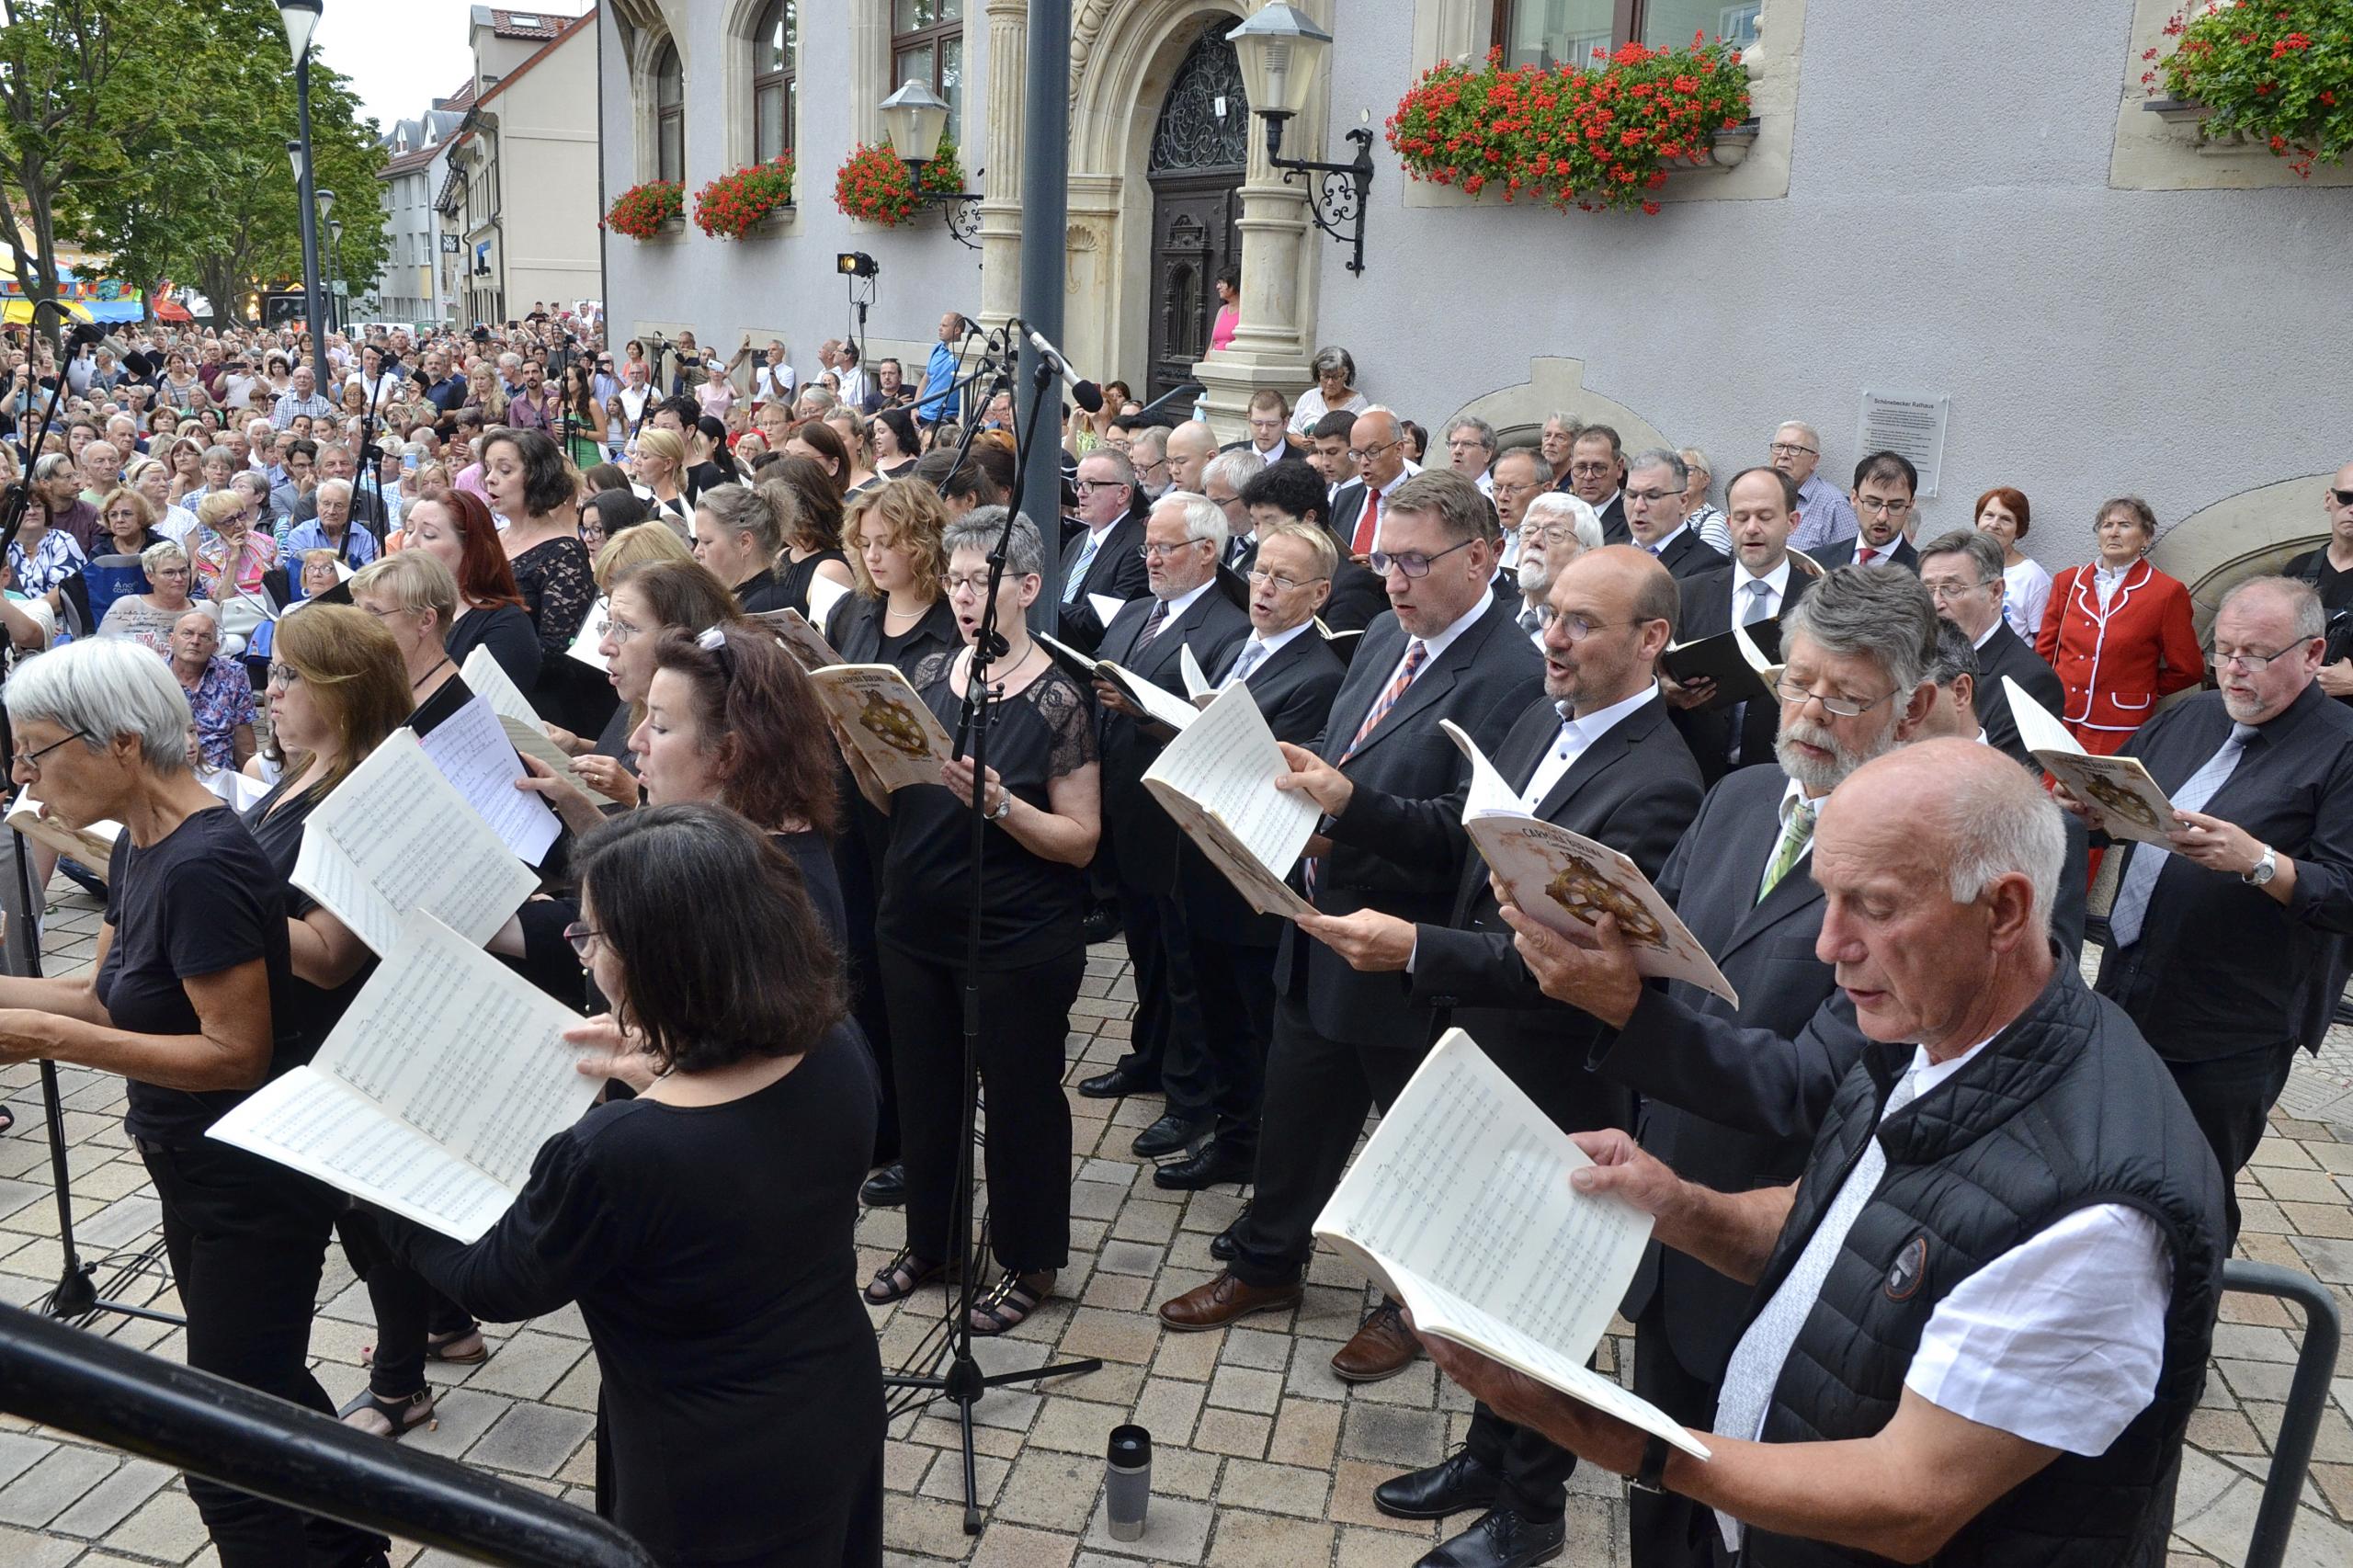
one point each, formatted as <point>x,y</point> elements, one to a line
<point>246,1239</point>
<point>1318,1091</point>
<point>2232,1096</point>
<point>1167,1046</point>
<point>1024,1020</point>
<point>856,865</point>
<point>1237,993</point>
<point>1669,1530</point>
<point>1534,1470</point>
<point>408,1311</point>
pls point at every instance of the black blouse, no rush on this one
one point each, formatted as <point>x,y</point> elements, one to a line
<point>1031,906</point>
<point>855,629</point>
<point>558,591</point>
<point>792,582</point>
<point>507,632</point>
<point>311,1011</point>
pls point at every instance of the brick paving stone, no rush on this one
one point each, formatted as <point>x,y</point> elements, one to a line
<point>54,1484</point>
<point>1175,1531</point>
<point>533,1439</point>
<point>111,1501</point>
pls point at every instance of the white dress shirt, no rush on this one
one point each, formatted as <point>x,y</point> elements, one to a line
<point>1660,548</point>
<point>1272,645</point>
<point>1777,582</point>
<point>2106,580</point>
<point>1441,643</point>
<point>1577,737</point>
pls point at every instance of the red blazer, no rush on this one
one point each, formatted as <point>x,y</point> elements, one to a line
<point>2115,665</point>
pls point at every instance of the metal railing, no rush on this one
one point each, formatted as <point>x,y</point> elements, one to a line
<point>207,1425</point>
<point>2291,1452</point>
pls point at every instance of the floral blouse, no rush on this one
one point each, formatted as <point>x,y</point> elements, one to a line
<point>54,559</point>
<point>257,553</point>
<point>222,699</point>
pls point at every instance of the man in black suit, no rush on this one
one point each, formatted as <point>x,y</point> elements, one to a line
<point>1106,559</point>
<point>1962,572</point>
<point>1293,676</point>
<point>1597,477</point>
<point>1885,484</point>
<point>1222,482</point>
<point>1859,651</point>
<point>1761,582</point>
<point>1270,436</point>
<point>1595,754</point>
<point>1294,491</point>
<point>1656,486</point>
<point>1378,446</point>
<point>2231,950</point>
<point>1346,1041</point>
<point>1182,608</point>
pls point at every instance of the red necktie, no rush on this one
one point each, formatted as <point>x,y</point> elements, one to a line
<point>1864,556</point>
<point>1368,523</point>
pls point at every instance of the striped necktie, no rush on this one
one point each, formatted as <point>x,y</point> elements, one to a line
<point>2129,908</point>
<point>1415,653</point>
<point>1151,625</point>
<point>1078,579</point>
<point>1796,833</point>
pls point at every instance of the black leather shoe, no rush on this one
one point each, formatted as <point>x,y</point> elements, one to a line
<point>1220,1160</point>
<point>886,1188</point>
<point>1100,924</point>
<point>1171,1134</point>
<point>1221,1246</point>
<point>1500,1539</point>
<point>1119,1083</point>
<point>1455,1483</point>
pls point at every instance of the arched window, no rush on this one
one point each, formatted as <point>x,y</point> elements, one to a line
<point>776,46</point>
<point>669,116</point>
<point>927,46</point>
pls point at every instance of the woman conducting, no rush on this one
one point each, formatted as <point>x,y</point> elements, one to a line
<point>189,999</point>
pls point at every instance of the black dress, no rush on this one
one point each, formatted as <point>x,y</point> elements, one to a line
<point>507,632</point>
<point>559,590</point>
<point>792,582</point>
<point>711,1250</point>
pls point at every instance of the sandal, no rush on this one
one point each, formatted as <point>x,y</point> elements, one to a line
<point>392,1418</point>
<point>902,1277</point>
<point>1011,1301</point>
<point>450,1349</point>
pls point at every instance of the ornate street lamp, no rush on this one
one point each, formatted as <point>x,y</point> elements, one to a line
<point>1280,49</point>
<point>914,120</point>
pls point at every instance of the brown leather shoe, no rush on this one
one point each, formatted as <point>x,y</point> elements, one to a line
<point>1382,1348</point>
<point>1222,1300</point>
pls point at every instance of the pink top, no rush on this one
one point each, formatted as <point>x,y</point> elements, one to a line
<point>1222,330</point>
<point>716,397</point>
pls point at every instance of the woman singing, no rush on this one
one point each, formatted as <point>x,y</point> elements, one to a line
<point>2119,632</point>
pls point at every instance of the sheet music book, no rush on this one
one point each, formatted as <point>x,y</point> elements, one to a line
<point>473,752</point>
<point>1199,688</point>
<point>1216,782</point>
<point>802,639</point>
<point>396,837</point>
<point>586,647</point>
<point>1459,1204</point>
<point>1560,878</point>
<point>485,679</point>
<point>1162,706</point>
<point>2119,788</point>
<point>1741,661</point>
<point>433,1096</point>
<point>93,846</point>
<point>1344,645</point>
<point>876,713</point>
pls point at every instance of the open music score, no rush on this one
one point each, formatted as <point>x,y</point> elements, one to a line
<point>433,1096</point>
<point>1216,780</point>
<point>1459,1204</point>
<point>485,679</point>
<point>2128,800</point>
<point>473,752</point>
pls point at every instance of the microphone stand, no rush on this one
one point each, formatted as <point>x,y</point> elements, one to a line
<point>76,1295</point>
<point>963,1382</point>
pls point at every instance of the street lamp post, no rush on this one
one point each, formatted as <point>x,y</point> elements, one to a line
<point>300,17</point>
<point>334,272</point>
<point>914,118</point>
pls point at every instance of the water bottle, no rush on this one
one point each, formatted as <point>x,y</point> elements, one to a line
<point>1126,1480</point>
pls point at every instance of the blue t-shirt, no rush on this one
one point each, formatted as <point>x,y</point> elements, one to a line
<point>939,370</point>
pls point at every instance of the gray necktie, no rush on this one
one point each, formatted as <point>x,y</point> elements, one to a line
<point>2148,863</point>
<point>1252,653</point>
<point>1078,568</point>
<point>1527,621</point>
<point>1756,610</point>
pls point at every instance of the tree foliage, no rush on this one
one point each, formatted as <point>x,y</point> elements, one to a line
<point>156,134</point>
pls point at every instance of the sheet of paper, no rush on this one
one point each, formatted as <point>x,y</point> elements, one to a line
<point>1079,666</point>
<point>1490,791</point>
<point>1105,606</point>
<point>1260,888</point>
<point>2038,726</point>
<point>2128,800</point>
<point>1226,762</point>
<point>824,595</point>
<point>473,752</point>
<point>879,714</point>
<point>1197,686</point>
<point>397,836</point>
<point>803,641</point>
<point>1161,706</point>
<point>485,678</point>
<point>1461,1198</point>
<point>241,792</point>
<point>587,646</point>
<point>446,1059</point>
<point>92,846</point>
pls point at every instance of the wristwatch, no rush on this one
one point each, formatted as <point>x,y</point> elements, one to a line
<point>1003,807</point>
<point>1652,1476</point>
<point>2266,867</point>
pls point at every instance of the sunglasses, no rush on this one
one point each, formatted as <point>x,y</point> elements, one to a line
<point>2342,497</point>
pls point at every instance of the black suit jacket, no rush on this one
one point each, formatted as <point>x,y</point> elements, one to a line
<point>2005,653</point>
<point>1347,504</point>
<point>1706,610</point>
<point>1841,553</point>
<point>1291,450</point>
<point>1636,789</point>
<point>1689,555</point>
<point>2219,968</point>
<point>1293,688</point>
<point>1142,838</point>
<point>1484,681</point>
<point>1118,570</point>
<point>1613,522</point>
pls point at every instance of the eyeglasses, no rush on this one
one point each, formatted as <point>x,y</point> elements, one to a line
<point>1356,456</point>
<point>1151,550</point>
<point>619,631</point>
<point>284,677</point>
<point>1598,466</point>
<point>1088,486</point>
<point>1836,707</point>
<point>1281,582</point>
<point>1791,450</point>
<point>1648,497</point>
<point>977,585</point>
<point>1552,533</point>
<point>1577,626</point>
<point>1879,508</point>
<point>1413,562</point>
<point>2252,662</point>
<point>31,760</point>
<point>580,934</point>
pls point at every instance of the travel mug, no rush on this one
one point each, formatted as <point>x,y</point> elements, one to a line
<point>1126,1480</point>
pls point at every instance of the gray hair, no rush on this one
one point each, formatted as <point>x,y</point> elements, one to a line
<point>1152,435</point>
<point>2003,823</point>
<point>1025,554</point>
<point>1956,656</point>
<point>101,688</point>
<point>1204,518</point>
<point>1661,457</point>
<point>1123,471</point>
<point>1579,512</point>
<point>1981,548</point>
<point>52,464</point>
<point>223,453</point>
<point>337,489</point>
<point>1565,420</point>
<point>1237,468</point>
<point>1811,433</point>
<point>1480,427</point>
<point>2298,595</point>
<point>160,554</point>
<point>1693,458</point>
<point>1880,613</point>
<point>1331,359</point>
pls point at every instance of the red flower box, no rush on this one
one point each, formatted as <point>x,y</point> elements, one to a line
<point>642,210</point>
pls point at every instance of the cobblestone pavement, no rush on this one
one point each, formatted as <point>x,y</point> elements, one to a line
<point>1261,1457</point>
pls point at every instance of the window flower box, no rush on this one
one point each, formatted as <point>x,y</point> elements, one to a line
<point>746,202</point>
<point>2275,77</point>
<point>647,211</point>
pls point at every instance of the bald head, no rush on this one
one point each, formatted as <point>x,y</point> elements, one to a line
<point>1613,610</point>
<point>1381,454</point>
<point>1190,447</point>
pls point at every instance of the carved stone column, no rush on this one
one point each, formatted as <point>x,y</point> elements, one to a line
<point>1000,226</point>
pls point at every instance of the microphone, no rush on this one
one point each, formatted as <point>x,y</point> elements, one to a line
<point>1087,394</point>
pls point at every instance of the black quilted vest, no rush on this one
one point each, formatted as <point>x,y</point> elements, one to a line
<point>2066,1109</point>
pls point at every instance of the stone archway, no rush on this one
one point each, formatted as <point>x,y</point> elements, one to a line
<point>1556,384</point>
<point>2242,536</point>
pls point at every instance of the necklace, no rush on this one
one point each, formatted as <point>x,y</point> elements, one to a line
<point>902,614</point>
<point>429,674</point>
